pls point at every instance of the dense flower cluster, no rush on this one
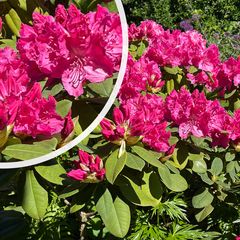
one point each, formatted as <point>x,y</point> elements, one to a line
<point>148,108</point>
<point>88,168</point>
<point>72,46</point>
<point>21,103</point>
<point>139,118</point>
<point>187,49</point>
<point>196,115</point>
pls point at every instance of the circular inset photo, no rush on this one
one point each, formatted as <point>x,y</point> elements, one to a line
<point>59,75</point>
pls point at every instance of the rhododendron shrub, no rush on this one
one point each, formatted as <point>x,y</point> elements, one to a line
<point>162,164</point>
<point>178,112</point>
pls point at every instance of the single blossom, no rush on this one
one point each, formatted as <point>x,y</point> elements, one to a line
<point>72,46</point>
<point>141,75</point>
<point>147,30</point>
<point>124,128</point>
<point>229,74</point>
<point>87,168</point>
<point>37,116</point>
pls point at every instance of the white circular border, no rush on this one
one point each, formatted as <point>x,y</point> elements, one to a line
<point>102,114</point>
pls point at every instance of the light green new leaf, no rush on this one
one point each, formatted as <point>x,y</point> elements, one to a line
<point>51,173</point>
<point>115,215</point>
<point>63,107</point>
<point>143,192</point>
<point>203,199</point>
<point>25,151</point>
<point>104,88</point>
<point>173,181</point>
<point>135,162</point>
<point>50,144</point>
<point>148,156</point>
<point>217,166</point>
<point>204,213</point>
<point>35,197</point>
<point>114,165</point>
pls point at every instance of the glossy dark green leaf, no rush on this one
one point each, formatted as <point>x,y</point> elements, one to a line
<point>217,166</point>
<point>145,191</point>
<point>104,88</point>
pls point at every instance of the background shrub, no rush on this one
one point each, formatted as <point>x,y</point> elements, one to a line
<point>217,20</point>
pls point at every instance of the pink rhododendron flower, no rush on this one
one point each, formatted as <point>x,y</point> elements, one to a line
<point>73,46</point>
<point>14,80</point>
<point>229,74</point>
<point>147,30</point>
<point>209,80</point>
<point>68,126</point>
<point>1,23</point>
<point>37,116</point>
<point>141,75</point>
<point>14,83</point>
<point>158,138</point>
<point>124,127</point>
<point>88,168</point>
<point>178,48</point>
<point>235,128</point>
<point>43,47</point>
<point>139,118</point>
<point>194,114</point>
<point>237,238</point>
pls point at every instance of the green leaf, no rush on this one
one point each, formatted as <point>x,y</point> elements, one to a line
<point>76,208</point>
<point>204,213</point>
<point>173,181</point>
<point>63,107</point>
<point>203,199</point>
<point>135,162</point>
<point>145,191</point>
<point>171,70</point>
<point>114,165</point>
<point>115,215</point>
<point>230,156</point>
<point>50,144</point>
<point>104,88</point>
<point>199,166</point>
<point>148,156</point>
<point>8,43</point>
<point>51,173</point>
<point>35,197</point>
<point>217,166</point>
<point>54,91</point>
<point>25,151</point>
<point>205,178</point>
